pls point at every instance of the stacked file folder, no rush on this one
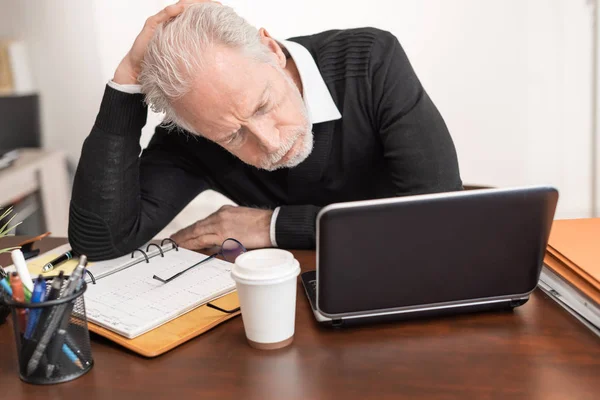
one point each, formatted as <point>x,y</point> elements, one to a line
<point>571,273</point>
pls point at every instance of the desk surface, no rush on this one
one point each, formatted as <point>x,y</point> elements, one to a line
<point>536,352</point>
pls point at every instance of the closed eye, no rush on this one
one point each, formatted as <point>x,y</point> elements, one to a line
<point>235,137</point>
<point>262,109</point>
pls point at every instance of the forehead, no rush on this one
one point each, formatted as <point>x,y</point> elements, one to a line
<point>228,84</point>
<point>229,71</point>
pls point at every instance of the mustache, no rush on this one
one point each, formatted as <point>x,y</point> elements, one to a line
<point>275,157</point>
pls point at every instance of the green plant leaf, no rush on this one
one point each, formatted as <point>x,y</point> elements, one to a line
<point>8,211</point>
<point>4,230</point>
<point>9,249</point>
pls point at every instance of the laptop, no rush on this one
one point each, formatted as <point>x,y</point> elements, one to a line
<point>429,255</point>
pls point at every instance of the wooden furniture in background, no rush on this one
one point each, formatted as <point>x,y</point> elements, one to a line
<point>536,352</point>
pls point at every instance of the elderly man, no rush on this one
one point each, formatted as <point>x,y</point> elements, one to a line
<point>283,128</point>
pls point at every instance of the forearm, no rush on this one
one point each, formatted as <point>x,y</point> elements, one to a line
<point>105,204</point>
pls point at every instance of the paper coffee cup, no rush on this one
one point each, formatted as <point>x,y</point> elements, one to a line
<point>266,284</point>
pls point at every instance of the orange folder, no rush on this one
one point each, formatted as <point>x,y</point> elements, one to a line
<point>575,280</point>
<point>177,331</point>
<point>574,253</point>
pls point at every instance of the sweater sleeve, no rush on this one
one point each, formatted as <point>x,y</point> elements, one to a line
<point>418,150</point>
<point>295,227</point>
<point>120,199</point>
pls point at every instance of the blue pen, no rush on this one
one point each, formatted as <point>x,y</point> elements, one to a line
<point>6,287</point>
<point>39,291</point>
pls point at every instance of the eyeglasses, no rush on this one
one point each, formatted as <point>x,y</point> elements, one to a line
<point>230,250</point>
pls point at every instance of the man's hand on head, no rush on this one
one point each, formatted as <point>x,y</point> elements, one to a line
<point>128,70</point>
<point>250,226</point>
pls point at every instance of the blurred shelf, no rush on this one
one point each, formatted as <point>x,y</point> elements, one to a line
<point>43,171</point>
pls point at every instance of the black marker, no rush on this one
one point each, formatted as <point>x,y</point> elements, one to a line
<point>57,261</point>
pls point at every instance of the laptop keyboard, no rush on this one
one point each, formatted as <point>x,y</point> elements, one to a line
<point>309,281</point>
<point>311,290</point>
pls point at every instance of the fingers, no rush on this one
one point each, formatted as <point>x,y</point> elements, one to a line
<point>199,228</point>
<point>128,70</point>
<point>205,233</point>
<point>202,242</point>
<point>210,225</point>
<point>170,12</point>
<point>164,15</point>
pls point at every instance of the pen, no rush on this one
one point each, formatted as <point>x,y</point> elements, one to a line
<point>39,291</point>
<point>53,294</point>
<point>6,287</point>
<point>55,286</point>
<point>63,317</point>
<point>5,283</point>
<point>19,296</point>
<point>27,293</point>
<point>21,266</point>
<point>57,261</point>
<point>40,287</point>
<point>42,329</point>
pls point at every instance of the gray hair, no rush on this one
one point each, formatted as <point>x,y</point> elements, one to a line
<point>174,55</point>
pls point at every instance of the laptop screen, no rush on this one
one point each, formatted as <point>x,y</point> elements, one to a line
<point>428,250</point>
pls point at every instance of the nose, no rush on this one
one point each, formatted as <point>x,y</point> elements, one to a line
<point>266,134</point>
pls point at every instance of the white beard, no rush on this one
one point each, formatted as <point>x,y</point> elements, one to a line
<point>305,134</point>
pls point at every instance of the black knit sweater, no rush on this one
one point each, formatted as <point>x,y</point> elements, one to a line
<point>391,141</point>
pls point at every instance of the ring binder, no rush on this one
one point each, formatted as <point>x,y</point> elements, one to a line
<point>158,247</point>
<point>175,245</point>
<point>143,252</point>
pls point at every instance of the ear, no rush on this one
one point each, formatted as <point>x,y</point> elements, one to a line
<point>273,46</point>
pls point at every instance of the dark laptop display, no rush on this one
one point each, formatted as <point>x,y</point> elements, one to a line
<point>444,250</point>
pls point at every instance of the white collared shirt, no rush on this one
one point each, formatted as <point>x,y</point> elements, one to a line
<point>317,98</point>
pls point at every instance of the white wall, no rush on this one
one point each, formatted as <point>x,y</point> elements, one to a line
<point>512,78</point>
<point>65,63</point>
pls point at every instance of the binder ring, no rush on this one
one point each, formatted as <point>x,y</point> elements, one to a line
<point>87,271</point>
<point>175,246</point>
<point>158,247</point>
<point>143,252</point>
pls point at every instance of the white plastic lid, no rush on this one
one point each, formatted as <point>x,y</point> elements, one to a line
<point>265,266</point>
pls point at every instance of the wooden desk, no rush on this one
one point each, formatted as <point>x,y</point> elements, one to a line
<point>537,352</point>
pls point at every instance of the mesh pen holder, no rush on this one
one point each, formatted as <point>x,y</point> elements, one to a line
<point>47,355</point>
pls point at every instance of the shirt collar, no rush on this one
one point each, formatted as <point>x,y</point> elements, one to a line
<point>317,98</point>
